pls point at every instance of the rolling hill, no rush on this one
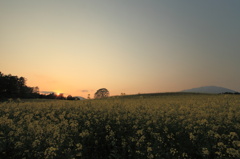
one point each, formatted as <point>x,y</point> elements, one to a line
<point>210,89</point>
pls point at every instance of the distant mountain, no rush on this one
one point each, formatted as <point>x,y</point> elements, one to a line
<point>210,89</point>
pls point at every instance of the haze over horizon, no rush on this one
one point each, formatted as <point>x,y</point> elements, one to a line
<point>137,46</point>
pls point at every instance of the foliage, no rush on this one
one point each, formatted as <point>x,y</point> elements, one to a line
<point>101,93</point>
<point>177,126</point>
<point>57,96</point>
<point>15,87</point>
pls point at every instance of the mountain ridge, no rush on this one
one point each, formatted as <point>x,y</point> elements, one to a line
<point>210,89</point>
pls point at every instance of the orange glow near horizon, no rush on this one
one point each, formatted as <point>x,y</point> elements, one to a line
<point>78,47</point>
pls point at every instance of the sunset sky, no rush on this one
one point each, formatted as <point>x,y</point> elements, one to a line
<point>127,46</point>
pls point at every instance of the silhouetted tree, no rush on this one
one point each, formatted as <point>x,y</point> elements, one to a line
<point>69,97</point>
<point>36,90</point>
<point>123,94</point>
<point>51,96</point>
<point>14,87</point>
<point>26,92</point>
<point>60,96</point>
<point>101,93</point>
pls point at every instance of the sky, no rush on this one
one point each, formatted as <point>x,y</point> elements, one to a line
<point>127,46</point>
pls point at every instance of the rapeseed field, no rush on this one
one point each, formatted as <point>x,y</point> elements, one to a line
<point>139,127</point>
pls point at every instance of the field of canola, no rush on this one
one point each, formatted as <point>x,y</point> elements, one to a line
<point>141,127</point>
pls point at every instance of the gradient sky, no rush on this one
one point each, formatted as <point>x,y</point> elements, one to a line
<point>130,46</point>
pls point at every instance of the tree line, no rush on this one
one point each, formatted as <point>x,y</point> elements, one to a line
<point>15,87</point>
<point>59,96</point>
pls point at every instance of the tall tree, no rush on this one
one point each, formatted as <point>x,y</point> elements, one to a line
<point>14,87</point>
